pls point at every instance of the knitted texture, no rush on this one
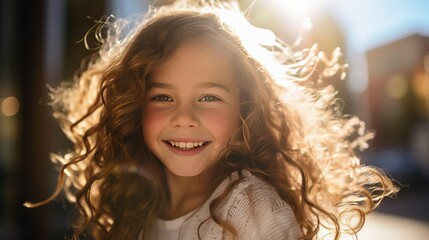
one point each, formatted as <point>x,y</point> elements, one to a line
<point>253,208</point>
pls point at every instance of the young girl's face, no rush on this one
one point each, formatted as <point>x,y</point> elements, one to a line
<point>191,108</point>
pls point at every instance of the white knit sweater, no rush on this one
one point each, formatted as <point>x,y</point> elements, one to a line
<point>253,208</point>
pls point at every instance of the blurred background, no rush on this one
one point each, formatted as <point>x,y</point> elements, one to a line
<point>386,43</point>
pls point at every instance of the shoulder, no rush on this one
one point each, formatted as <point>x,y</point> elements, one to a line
<point>252,191</point>
<point>255,205</point>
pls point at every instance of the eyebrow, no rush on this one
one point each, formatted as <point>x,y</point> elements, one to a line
<point>160,85</point>
<point>202,85</point>
<point>214,85</point>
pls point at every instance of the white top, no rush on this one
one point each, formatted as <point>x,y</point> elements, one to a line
<point>168,229</point>
<point>252,207</point>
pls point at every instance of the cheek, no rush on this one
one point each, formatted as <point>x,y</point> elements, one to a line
<point>222,123</point>
<point>152,123</point>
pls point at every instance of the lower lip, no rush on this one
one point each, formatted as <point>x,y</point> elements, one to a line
<point>189,152</point>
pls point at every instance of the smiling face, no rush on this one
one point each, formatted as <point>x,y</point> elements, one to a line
<point>192,108</point>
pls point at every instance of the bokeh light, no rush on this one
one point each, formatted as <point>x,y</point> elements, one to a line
<point>9,106</point>
<point>397,86</point>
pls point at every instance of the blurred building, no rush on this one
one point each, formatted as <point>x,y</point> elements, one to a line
<point>398,90</point>
<point>38,46</point>
<point>398,94</point>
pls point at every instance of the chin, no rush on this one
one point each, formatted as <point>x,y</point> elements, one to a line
<point>185,172</point>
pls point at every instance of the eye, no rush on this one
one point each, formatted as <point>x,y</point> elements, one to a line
<point>209,98</point>
<point>162,98</point>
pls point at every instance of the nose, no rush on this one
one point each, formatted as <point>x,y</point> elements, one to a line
<point>185,116</point>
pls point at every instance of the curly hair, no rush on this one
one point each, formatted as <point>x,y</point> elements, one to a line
<point>291,135</point>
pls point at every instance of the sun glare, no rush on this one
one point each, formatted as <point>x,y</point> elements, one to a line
<point>299,8</point>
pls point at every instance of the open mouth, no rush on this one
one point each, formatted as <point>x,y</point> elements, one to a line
<point>186,145</point>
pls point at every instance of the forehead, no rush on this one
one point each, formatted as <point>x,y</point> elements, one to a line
<point>198,59</point>
<point>203,52</point>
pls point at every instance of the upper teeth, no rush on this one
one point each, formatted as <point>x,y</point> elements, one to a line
<point>186,144</point>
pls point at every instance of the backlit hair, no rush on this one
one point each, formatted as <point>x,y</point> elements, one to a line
<point>291,134</point>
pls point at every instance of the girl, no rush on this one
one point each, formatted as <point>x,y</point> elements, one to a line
<point>193,124</point>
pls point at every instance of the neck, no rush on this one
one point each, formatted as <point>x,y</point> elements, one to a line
<point>185,193</point>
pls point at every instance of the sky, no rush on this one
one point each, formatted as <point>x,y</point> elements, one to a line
<point>372,23</point>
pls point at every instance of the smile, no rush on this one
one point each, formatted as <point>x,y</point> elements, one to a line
<point>186,145</point>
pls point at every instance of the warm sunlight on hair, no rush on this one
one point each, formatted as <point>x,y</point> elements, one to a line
<point>247,31</point>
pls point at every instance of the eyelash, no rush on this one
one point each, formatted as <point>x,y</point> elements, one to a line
<point>166,98</point>
<point>211,98</point>
<point>162,98</point>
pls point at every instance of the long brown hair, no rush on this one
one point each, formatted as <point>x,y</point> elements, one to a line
<point>291,134</point>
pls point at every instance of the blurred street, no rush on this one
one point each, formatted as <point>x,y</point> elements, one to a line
<point>382,226</point>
